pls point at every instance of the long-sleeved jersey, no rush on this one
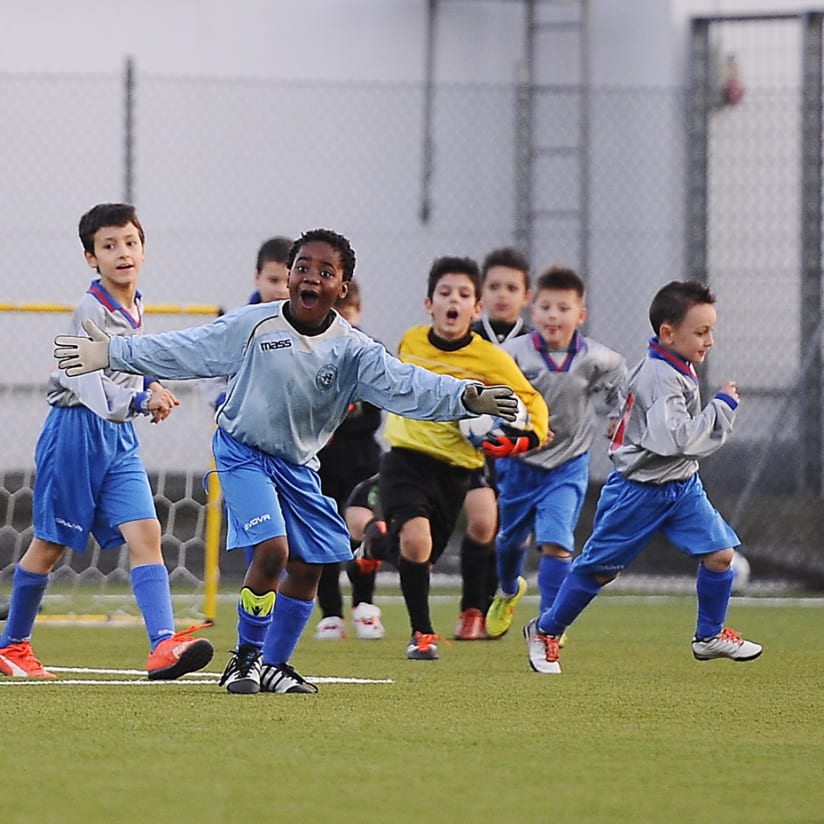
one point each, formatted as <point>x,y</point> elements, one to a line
<point>109,393</point>
<point>663,430</point>
<point>288,391</point>
<point>591,375</point>
<point>477,360</point>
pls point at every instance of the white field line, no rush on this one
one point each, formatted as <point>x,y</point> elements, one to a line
<point>200,678</point>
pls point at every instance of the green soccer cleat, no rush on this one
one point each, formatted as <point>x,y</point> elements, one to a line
<point>502,609</point>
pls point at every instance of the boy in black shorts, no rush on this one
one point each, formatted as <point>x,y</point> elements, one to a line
<point>425,475</point>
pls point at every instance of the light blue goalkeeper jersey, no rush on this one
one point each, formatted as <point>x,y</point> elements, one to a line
<point>288,392</point>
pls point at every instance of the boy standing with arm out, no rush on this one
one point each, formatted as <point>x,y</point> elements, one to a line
<point>655,485</point>
<point>90,478</point>
<point>543,492</point>
<point>295,367</point>
<point>426,474</point>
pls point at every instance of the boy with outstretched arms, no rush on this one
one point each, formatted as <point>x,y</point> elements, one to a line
<point>426,474</point>
<point>295,368</point>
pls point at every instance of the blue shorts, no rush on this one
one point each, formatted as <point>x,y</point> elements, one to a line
<point>629,514</point>
<point>89,479</point>
<point>545,502</point>
<point>268,497</point>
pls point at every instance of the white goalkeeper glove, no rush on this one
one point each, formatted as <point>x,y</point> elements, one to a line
<point>491,400</point>
<point>77,356</point>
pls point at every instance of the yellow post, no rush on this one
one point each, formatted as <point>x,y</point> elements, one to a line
<point>211,563</point>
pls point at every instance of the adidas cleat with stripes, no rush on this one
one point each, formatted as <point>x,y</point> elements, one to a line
<point>727,644</point>
<point>284,679</point>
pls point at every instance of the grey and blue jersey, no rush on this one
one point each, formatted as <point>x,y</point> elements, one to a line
<point>108,393</point>
<point>588,380</point>
<point>663,431</point>
<point>288,391</point>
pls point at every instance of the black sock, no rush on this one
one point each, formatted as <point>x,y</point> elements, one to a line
<point>330,599</point>
<point>363,584</point>
<point>415,588</point>
<point>474,565</point>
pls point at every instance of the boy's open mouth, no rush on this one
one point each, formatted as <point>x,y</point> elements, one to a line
<point>308,298</point>
<point>452,314</point>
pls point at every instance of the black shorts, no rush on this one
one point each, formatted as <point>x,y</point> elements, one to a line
<point>414,485</point>
<point>366,495</point>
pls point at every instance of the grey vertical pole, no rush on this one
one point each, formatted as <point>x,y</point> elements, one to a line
<point>428,152</point>
<point>810,396</point>
<point>523,138</point>
<point>698,111</point>
<point>128,133</point>
<point>583,183</point>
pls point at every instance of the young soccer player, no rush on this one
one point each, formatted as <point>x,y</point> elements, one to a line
<point>542,493</point>
<point>655,485</point>
<point>426,474</point>
<point>271,276</point>
<point>89,477</point>
<point>295,367</point>
<point>505,294</point>
<point>352,454</point>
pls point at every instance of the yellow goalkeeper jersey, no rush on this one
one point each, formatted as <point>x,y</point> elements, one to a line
<point>477,360</point>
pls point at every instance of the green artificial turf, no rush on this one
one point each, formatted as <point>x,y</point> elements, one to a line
<point>633,730</point>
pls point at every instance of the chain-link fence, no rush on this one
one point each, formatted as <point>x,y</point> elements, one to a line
<point>216,166</point>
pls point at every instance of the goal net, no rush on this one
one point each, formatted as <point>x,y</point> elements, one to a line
<point>94,585</point>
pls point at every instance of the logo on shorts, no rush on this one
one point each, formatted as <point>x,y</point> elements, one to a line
<point>68,524</point>
<point>258,519</point>
<point>326,376</point>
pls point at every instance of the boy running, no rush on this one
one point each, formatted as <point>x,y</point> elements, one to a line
<point>542,493</point>
<point>655,486</point>
<point>426,474</point>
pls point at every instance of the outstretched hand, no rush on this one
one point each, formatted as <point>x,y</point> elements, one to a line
<point>491,400</point>
<point>77,355</point>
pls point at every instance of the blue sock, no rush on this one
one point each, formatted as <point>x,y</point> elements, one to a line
<point>572,599</point>
<point>27,591</point>
<point>713,590</point>
<point>150,584</point>
<point>288,622</point>
<point>551,574</point>
<point>254,614</point>
<point>510,566</point>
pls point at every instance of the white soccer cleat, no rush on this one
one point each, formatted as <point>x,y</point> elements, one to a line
<point>330,629</point>
<point>541,649</point>
<point>727,644</point>
<point>367,621</point>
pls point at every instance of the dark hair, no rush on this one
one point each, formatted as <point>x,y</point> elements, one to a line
<point>453,265</point>
<point>561,277</point>
<point>275,249</point>
<point>351,298</point>
<point>673,301</point>
<point>107,214</point>
<point>509,257</point>
<point>338,242</point>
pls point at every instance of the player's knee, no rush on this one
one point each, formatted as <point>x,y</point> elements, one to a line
<point>270,559</point>
<point>555,551</point>
<point>719,561</point>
